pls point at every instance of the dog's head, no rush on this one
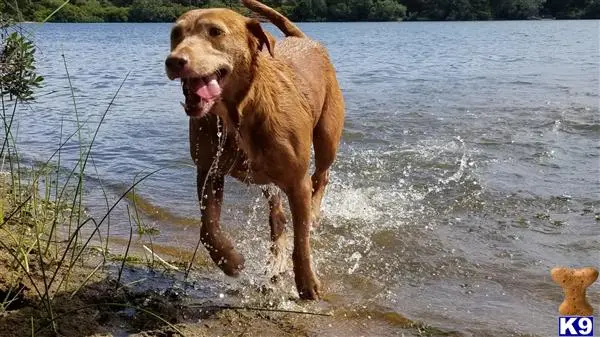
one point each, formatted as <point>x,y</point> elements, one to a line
<point>211,52</point>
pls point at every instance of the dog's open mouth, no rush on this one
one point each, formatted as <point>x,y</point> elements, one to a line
<point>201,93</point>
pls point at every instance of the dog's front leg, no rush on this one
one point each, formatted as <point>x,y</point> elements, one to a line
<point>299,196</point>
<point>220,248</point>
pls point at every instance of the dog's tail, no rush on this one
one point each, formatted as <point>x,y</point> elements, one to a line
<point>284,24</point>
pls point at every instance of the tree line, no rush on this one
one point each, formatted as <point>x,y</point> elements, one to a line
<point>305,10</point>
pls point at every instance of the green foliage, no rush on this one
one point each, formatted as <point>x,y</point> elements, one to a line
<point>17,69</point>
<point>592,11</point>
<point>309,10</point>
<point>516,9</point>
<point>387,10</point>
<point>459,10</point>
<point>360,9</point>
<point>481,9</point>
<point>573,9</point>
<point>339,11</point>
<point>72,13</point>
<point>155,11</point>
<point>116,14</point>
<point>147,10</point>
<point>306,10</point>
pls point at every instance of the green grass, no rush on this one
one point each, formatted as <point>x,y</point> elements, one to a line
<point>44,232</point>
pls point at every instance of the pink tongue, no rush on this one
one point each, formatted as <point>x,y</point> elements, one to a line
<point>207,90</point>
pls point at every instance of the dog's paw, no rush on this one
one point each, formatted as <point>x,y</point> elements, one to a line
<point>315,215</point>
<point>315,221</point>
<point>308,286</point>
<point>278,262</point>
<point>230,261</point>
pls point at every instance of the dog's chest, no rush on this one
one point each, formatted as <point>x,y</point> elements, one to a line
<point>250,173</point>
<point>253,165</point>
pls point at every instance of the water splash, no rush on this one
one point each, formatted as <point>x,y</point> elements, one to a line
<point>462,166</point>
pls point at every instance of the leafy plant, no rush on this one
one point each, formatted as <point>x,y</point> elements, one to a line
<point>18,75</point>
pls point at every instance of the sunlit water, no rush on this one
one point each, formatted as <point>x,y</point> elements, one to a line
<point>469,167</point>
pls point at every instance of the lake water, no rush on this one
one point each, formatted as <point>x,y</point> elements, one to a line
<point>469,167</point>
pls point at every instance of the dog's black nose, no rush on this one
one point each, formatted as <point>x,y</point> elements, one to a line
<point>176,63</point>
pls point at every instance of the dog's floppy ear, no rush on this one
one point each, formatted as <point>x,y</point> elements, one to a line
<point>264,38</point>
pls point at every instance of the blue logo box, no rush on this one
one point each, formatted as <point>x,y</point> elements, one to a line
<point>570,326</point>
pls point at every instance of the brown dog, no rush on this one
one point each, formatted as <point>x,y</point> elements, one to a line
<point>254,115</point>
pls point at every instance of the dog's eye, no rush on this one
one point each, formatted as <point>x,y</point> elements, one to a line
<point>176,33</point>
<point>214,31</point>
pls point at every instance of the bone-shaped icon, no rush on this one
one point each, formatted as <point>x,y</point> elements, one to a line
<point>574,283</point>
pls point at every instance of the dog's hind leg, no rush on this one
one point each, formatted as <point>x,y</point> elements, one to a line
<point>299,194</point>
<point>220,248</point>
<point>326,139</point>
<point>277,223</point>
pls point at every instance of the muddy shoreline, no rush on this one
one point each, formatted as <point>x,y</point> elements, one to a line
<point>136,307</point>
<point>57,285</point>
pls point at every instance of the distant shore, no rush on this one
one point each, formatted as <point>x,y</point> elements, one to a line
<point>144,11</point>
<point>333,21</point>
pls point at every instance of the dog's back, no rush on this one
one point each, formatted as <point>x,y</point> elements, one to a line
<point>314,73</point>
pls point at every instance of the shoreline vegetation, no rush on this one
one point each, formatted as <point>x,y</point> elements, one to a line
<point>305,10</point>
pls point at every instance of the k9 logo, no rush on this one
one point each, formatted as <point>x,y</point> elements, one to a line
<point>575,326</point>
